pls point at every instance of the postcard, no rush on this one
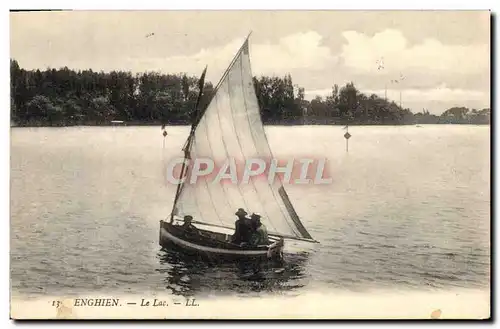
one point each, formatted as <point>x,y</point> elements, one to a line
<point>250,165</point>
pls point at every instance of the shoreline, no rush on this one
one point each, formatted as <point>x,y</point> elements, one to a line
<point>265,125</point>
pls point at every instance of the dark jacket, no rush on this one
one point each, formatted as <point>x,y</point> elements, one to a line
<point>190,228</point>
<point>243,231</point>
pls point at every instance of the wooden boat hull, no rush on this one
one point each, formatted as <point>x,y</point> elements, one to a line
<point>214,246</point>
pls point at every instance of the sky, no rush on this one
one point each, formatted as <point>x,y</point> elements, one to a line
<point>429,60</point>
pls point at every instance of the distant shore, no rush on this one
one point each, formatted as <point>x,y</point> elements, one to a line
<point>64,97</point>
<point>150,124</point>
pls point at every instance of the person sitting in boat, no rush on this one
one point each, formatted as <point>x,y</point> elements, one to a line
<point>188,226</point>
<point>243,228</point>
<point>259,236</point>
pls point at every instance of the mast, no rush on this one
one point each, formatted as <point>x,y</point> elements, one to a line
<point>187,146</point>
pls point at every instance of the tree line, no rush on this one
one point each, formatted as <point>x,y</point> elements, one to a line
<point>64,97</point>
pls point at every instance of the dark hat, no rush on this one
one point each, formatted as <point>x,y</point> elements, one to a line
<point>188,217</point>
<point>241,212</point>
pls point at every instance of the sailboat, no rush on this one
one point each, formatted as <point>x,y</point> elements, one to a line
<point>230,126</point>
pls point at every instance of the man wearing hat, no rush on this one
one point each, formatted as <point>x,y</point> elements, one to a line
<point>243,228</point>
<point>188,226</point>
<point>259,236</point>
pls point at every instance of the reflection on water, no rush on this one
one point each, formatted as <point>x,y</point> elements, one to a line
<point>187,275</point>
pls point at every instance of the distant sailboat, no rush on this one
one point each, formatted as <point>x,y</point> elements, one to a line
<point>231,127</point>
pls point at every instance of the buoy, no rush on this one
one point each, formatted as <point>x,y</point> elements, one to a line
<point>347,136</point>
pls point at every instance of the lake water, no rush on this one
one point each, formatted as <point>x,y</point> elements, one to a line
<point>408,208</point>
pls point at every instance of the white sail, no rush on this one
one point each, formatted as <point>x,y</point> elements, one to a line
<point>231,127</point>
